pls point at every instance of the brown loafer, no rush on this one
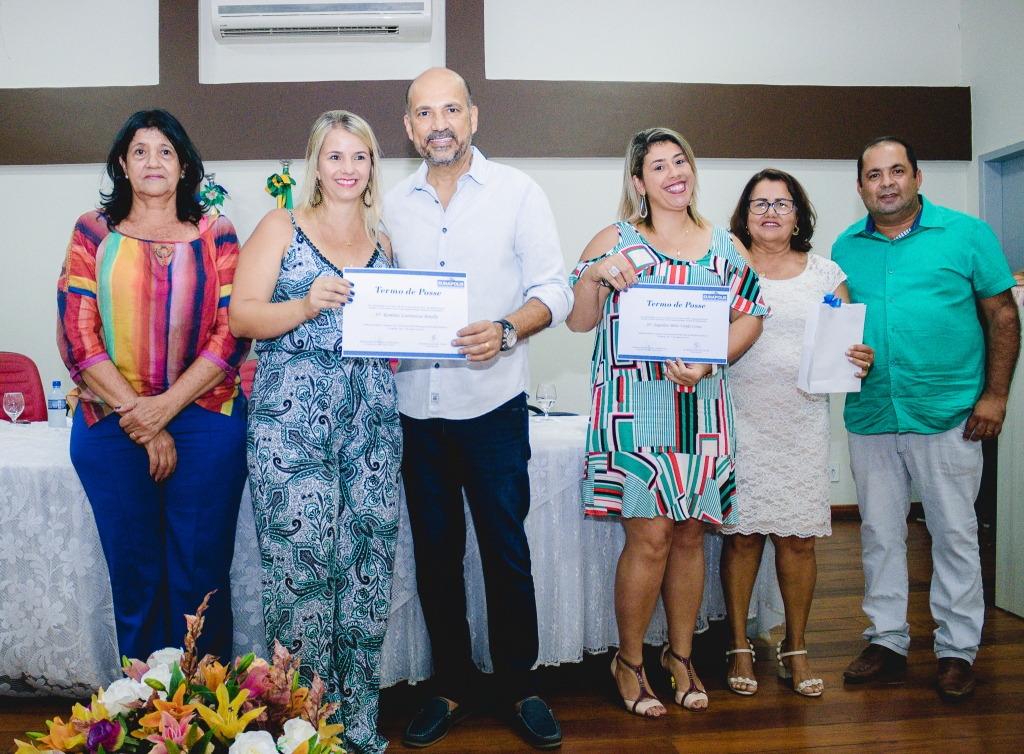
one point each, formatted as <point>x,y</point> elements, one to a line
<point>956,677</point>
<point>873,664</point>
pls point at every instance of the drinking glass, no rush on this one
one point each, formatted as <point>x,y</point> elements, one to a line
<point>546,396</point>
<point>14,404</point>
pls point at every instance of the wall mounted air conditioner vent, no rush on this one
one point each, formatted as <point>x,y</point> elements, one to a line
<point>291,20</point>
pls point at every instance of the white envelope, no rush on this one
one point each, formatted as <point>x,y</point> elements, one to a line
<point>829,332</point>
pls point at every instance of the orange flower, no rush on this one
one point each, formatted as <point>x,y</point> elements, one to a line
<point>213,675</point>
<point>176,708</point>
<point>63,737</point>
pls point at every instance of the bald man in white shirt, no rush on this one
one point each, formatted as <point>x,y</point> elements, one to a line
<point>466,422</point>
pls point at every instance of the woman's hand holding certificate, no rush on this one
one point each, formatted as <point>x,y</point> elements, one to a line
<point>659,322</point>
<point>404,314</point>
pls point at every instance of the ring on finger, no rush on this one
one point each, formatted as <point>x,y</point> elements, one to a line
<point>613,270</point>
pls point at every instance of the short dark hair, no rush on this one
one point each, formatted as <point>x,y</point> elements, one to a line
<point>911,154</point>
<point>117,204</point>
<point>806,217</point>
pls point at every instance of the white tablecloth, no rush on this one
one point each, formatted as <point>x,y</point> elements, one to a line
<point>56,616</point>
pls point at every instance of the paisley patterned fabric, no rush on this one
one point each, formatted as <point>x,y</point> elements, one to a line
<point>656,448</point>
<point>325,448</point>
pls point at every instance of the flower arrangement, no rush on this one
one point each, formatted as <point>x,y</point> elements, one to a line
<point>176,704</point>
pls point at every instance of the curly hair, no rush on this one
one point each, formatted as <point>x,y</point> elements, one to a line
<point>117,204</point>
<point>805,214</point>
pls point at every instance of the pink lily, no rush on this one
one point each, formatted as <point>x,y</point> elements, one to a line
<point>170,729</point>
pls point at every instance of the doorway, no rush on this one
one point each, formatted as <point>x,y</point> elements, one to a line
<point>1001,194</point>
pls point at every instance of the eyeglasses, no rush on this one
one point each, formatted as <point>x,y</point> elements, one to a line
<point>761,206</point>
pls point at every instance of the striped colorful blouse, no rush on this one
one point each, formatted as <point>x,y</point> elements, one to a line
<point>150,307</point>
<point>656,448</point>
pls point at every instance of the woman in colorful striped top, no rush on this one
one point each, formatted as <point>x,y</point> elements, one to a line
<point>159,433</point>
<point>661,441</point>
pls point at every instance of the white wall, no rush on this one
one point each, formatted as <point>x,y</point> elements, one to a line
<point>583,195</point>
<point>816,42</point>
<point>993,66</point>
<point>50,43</point>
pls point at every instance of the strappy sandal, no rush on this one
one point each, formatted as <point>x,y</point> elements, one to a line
<point>646,701</point>
<point>786,674</point>
<point>682,697</point>
<point>734,682</point>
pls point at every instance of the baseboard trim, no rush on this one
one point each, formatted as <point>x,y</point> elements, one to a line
<point>852,512</point>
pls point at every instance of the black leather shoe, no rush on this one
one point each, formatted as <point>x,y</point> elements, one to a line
<point>875,663</point>
<point>537,725</point>
<point>433,722</point>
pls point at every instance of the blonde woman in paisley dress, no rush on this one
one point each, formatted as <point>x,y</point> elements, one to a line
<point>782,433</point>
<point>659,449</point>
<point>325,441</point>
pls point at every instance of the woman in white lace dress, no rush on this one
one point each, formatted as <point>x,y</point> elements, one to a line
<point>782,433</point>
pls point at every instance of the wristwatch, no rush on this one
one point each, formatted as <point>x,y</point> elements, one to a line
<point>509,336</point>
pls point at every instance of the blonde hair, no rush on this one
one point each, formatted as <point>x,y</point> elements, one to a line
<point>636,152</point>
<point>310,198</point>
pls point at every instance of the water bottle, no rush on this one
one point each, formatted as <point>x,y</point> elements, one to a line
<point>56,407</point>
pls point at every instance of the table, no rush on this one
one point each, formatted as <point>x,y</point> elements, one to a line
<point>56,615</point>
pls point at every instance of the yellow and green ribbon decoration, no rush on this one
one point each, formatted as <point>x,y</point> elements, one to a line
<point>279,186</point>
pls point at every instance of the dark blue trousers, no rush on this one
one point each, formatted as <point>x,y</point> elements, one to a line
<point>487,457</point>
<point>167,544</point>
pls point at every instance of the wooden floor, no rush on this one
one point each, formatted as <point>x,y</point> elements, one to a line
<point>905,717</point>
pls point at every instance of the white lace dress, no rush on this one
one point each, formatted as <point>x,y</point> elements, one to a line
<point>782,433</point>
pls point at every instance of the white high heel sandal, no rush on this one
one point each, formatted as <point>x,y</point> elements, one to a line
<point>786,674</point>
<point>735,681</point>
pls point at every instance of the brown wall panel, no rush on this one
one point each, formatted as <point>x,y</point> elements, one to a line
<point>517,119</point>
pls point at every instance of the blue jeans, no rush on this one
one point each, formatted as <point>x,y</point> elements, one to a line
<point>167,544</point>
<point>487,457</point>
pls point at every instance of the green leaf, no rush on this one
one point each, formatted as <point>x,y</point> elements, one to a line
<point>153,683</point>
<point>35,736</point>
<point>100,749</point>
<point>246,662</point>
<point>177,678</point>
<point>200,746</point>
<point>192,736</point>
<point>172,748</point>
<point>295,681</point>
<point>202,691</point>
<point>125,662</point>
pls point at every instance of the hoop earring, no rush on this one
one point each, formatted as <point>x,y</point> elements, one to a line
<point>643,208</point>
<point>796,230</point>
<point>366,192</point>
<point>318,196</point>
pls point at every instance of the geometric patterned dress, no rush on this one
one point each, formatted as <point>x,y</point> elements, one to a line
<point>324,453</point>
<point>655,448</point>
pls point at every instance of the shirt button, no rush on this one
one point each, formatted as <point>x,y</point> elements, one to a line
<point>437,366</point>
<point>444,230</point>
<point>890,272</point>
<point>442,264</point>
<point>890,301</point>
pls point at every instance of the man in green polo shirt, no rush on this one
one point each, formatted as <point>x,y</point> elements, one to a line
<point>935,391</point>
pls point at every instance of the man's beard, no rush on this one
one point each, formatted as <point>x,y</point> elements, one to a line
<point>460,148</point>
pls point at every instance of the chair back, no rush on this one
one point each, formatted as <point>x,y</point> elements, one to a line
<point>247,371</point>
<point>18,374</point>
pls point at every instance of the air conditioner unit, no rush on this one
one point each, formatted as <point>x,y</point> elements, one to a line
<point>295,21</point>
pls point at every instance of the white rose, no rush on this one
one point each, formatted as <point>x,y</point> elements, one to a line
<point>253,742</point>
<point>121,693</point>
<point>296,731</point>
<point>167,657</point>
<point>160,673</point>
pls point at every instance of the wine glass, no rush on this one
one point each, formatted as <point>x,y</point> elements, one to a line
<point>14,404</point>
<point>546,395</point>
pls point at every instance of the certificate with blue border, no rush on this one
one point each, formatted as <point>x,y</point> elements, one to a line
<point>403,314</point>
<point>658,322</point>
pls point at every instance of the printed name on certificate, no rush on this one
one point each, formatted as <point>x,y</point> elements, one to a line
<point>404,314</point>
<point>658,322</point>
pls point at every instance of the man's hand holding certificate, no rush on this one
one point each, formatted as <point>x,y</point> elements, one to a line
<point>660,322</point>
<point>404,314</point>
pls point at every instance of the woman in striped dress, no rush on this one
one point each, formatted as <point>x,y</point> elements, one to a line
<point>660,443</point>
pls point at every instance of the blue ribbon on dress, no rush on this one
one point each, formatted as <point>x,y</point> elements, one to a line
<point>832,300</point>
